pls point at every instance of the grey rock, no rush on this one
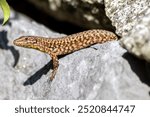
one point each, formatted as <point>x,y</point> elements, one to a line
<point>85,13</point>
<point>98,74</point>
<point>131,19</point>
<point>102,71</point>
<point>124,14</point>
<point>138,40</point>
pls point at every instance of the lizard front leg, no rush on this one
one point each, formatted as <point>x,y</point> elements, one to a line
<point>55,65</point>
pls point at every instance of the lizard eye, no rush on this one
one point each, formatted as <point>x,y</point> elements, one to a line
<point>26,39</point>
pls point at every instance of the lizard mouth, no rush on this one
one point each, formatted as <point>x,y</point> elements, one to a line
<point>15,42</point>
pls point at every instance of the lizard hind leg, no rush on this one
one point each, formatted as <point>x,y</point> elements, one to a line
<point>55,66</point>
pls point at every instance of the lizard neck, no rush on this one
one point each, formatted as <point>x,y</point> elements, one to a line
<point>42,44</point>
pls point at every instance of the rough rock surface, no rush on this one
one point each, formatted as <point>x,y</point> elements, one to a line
<point>103,71</point>
<point>138,40</point>
<point>85,13</point>
<point>124,14</point>
<point>131,19</point>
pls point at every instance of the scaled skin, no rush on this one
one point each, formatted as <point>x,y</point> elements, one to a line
<point>65,45</point>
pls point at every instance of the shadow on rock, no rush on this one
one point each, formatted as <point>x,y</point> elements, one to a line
<point>44,70</point>
<point>140,67</point>
<point>1,21</point>
<point>4,45</point>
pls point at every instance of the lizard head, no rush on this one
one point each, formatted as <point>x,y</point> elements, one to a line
<point>26,41</point>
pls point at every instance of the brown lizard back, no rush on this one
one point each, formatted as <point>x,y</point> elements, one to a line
<point>66,44</point>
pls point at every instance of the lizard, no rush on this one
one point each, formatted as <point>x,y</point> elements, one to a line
<point>64,45</point>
